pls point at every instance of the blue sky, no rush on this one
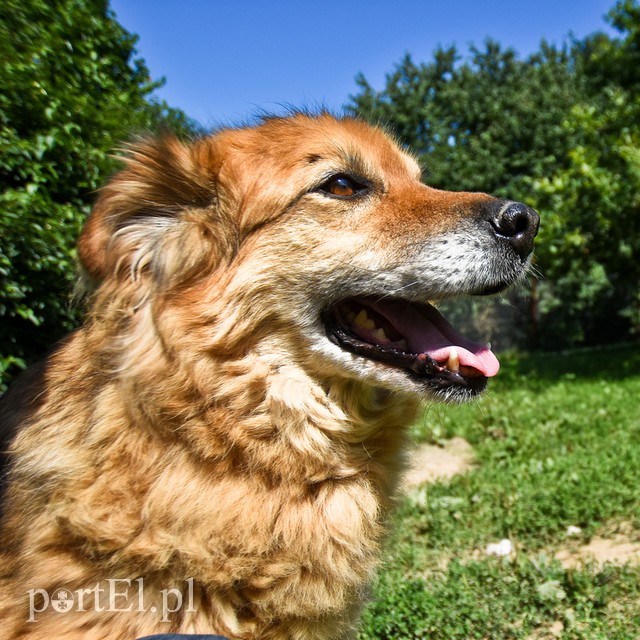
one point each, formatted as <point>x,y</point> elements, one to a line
<point>225,60</point>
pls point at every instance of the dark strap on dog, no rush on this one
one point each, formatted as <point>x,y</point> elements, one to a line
<point>182,636</point>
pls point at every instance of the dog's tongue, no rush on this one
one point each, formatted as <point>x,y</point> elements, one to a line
<point>427,331</point>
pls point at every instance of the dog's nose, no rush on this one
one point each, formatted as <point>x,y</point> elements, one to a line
<point>515,223</point>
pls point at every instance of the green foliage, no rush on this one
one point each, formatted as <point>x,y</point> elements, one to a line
<point>71,90</point>
<point>560,131</point>
<point>556,444</point>
<point>591,235</point>
<point>477,123</point>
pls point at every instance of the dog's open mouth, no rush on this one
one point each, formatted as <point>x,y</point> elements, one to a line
<point>413,337</point>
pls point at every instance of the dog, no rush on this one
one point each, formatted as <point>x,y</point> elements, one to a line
<point>217,449</point>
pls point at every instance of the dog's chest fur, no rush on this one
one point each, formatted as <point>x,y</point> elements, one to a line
<point>271,498</point>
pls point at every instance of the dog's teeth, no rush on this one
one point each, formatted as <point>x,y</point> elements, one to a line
<point>453,363</point>
<point>363,321</point>
<point>381,336</point>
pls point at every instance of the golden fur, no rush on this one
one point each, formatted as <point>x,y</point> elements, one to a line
<point>194,428</point>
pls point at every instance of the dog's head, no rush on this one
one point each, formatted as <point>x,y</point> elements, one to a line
<point>309,240</point>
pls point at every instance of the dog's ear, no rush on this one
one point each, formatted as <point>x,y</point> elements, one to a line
<point>160,214</point>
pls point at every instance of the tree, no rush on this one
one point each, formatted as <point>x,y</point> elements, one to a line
<point>480,125</point>
<point>70,91</point>
<point>559,131</point>
<point>591,236</point>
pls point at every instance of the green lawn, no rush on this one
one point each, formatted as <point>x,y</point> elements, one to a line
<point>557,441</point>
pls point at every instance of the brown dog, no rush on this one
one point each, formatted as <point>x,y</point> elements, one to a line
<point>217,448</point>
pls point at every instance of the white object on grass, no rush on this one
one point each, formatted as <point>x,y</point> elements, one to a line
<point>501,549</point>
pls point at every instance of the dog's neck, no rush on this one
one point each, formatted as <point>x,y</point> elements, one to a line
<point>252,407</point>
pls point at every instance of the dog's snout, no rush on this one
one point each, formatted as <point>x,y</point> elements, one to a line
<point>516,223</point>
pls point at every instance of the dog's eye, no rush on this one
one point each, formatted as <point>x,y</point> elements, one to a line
<point>342,186</point>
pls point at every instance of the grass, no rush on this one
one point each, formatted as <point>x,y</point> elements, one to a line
<point>557,443</point>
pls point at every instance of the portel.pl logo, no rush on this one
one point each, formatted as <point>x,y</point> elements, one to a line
<point>113,595</point>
